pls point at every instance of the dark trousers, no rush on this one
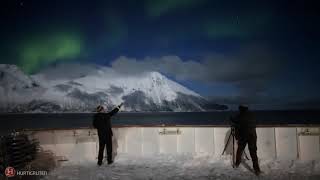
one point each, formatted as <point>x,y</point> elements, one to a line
<point>251,140</point>
<point>105,139</point>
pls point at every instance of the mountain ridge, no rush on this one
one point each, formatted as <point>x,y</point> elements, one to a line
<point>82,92</point>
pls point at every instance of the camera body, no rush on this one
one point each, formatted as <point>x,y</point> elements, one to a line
<point>233,122</point>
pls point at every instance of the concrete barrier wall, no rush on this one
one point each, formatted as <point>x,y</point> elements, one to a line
<point>280,142</point>
<point>204,140</point>
<point>286,143</point>
<point>309,143</point>
<point>151,141</point>
<point>266,143</point>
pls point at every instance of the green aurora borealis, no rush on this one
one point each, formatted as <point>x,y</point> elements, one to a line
<point>43,50</point>
<point>259,49</point>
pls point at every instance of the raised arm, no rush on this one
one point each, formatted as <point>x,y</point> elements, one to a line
<point>115,110</point>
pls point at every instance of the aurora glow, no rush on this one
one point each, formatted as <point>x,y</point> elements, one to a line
<point>44,50</point>
<point>232,49</point>
<point>156,8</point>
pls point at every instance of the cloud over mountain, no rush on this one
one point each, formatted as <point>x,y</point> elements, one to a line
<point>249,70</point>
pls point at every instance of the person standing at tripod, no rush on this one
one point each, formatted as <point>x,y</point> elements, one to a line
<point>245,133</point>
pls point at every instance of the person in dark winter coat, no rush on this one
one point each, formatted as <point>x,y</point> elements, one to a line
<point>245,133</point>
<point>102,123</point>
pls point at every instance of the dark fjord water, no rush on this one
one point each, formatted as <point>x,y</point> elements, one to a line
<point>83,120</point>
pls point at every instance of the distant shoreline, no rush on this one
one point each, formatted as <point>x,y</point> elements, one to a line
<point>216,118</point>
<point>164,112</point>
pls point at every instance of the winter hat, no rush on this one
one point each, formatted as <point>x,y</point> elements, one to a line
<point>243,107</point>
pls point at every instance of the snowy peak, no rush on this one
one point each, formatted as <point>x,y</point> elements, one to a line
<point>16,87</point>
<point>13,78</point>
<point>160,80</point>
<point>51,91</point>
<point>161,88</point>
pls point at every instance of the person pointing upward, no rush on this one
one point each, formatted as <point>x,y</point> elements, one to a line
<point>102,122</point>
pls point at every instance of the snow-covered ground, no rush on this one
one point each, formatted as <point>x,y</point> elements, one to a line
<point>184,167</point>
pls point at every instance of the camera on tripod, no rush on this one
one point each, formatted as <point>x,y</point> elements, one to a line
<point>233,135</point>
<point>234,127</point>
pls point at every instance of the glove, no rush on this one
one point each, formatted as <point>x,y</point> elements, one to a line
<point>120,106</point>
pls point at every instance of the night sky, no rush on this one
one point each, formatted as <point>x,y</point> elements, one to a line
<point>257,52</point>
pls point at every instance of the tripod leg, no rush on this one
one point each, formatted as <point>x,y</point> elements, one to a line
<point>225,147</point>
<point>233,163</point>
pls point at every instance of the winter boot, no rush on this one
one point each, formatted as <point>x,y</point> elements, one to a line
<point>99,163</point>
<point>256,168</point>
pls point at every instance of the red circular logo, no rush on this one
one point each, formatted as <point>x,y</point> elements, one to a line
<point>10,172</point>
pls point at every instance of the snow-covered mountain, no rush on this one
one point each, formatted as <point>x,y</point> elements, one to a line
<point>80,88</point>
<point>16,87</point>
